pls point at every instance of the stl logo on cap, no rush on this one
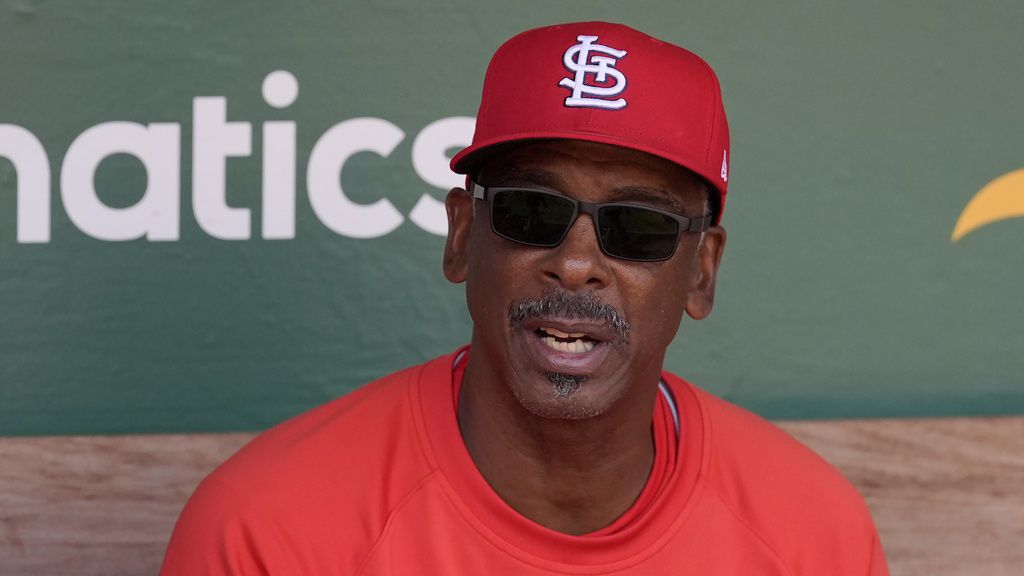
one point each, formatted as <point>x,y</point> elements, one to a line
<point>578,59</point>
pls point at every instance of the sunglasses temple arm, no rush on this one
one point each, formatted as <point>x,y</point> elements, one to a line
<point>699,224</point>
<point>478,191</point>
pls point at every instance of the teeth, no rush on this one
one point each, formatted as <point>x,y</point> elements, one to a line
<point>574,347</point>
<point>559,334</point>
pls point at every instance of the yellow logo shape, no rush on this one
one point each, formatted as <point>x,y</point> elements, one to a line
<point>1000,199</point>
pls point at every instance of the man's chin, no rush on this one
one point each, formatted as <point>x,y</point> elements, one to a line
<point>559,396</point>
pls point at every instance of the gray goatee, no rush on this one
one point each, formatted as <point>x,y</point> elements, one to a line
<point>565,385</point>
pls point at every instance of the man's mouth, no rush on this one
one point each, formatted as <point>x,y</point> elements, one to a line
<point>569,342</point>
<point>567,334</point>
<point>566,346</point>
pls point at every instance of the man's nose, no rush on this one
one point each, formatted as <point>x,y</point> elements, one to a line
<point>577,263</point>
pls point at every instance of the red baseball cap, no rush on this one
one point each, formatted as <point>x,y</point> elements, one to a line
<point>607,83</point>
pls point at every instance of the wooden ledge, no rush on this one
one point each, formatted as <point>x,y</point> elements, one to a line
<point>947,494</point>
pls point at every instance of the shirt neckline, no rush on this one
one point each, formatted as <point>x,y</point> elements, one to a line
<point>495,520</point>
<point>664,431</point>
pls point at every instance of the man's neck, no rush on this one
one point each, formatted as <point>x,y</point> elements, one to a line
<point>573,476</point>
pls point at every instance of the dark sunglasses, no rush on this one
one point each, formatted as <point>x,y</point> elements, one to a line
<point>626,231</point>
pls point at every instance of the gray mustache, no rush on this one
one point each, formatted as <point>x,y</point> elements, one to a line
<point>584,306</point>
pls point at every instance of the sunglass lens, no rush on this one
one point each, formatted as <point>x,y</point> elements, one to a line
<point>637,233</point>
<point>531,217</point>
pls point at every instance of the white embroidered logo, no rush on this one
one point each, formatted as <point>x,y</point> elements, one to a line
<point>725,167</point>
<point>578,59</point>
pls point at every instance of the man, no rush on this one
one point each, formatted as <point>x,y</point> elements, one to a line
<point>554,443</point>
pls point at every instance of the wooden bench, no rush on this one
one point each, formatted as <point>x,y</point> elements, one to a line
<point>947,494</point>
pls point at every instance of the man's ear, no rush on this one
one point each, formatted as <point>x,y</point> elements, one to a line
<point>709,255</point>
<point>459,205</point>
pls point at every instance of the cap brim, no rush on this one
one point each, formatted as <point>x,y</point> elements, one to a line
<point>469,159</point>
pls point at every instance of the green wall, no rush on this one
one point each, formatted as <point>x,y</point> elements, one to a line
<point>860,131</point>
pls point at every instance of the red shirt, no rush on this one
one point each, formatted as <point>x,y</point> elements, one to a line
<point>379,482</point>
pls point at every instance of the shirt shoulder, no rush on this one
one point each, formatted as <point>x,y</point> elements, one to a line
<point>787,496</point>
<point>289,497</point>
